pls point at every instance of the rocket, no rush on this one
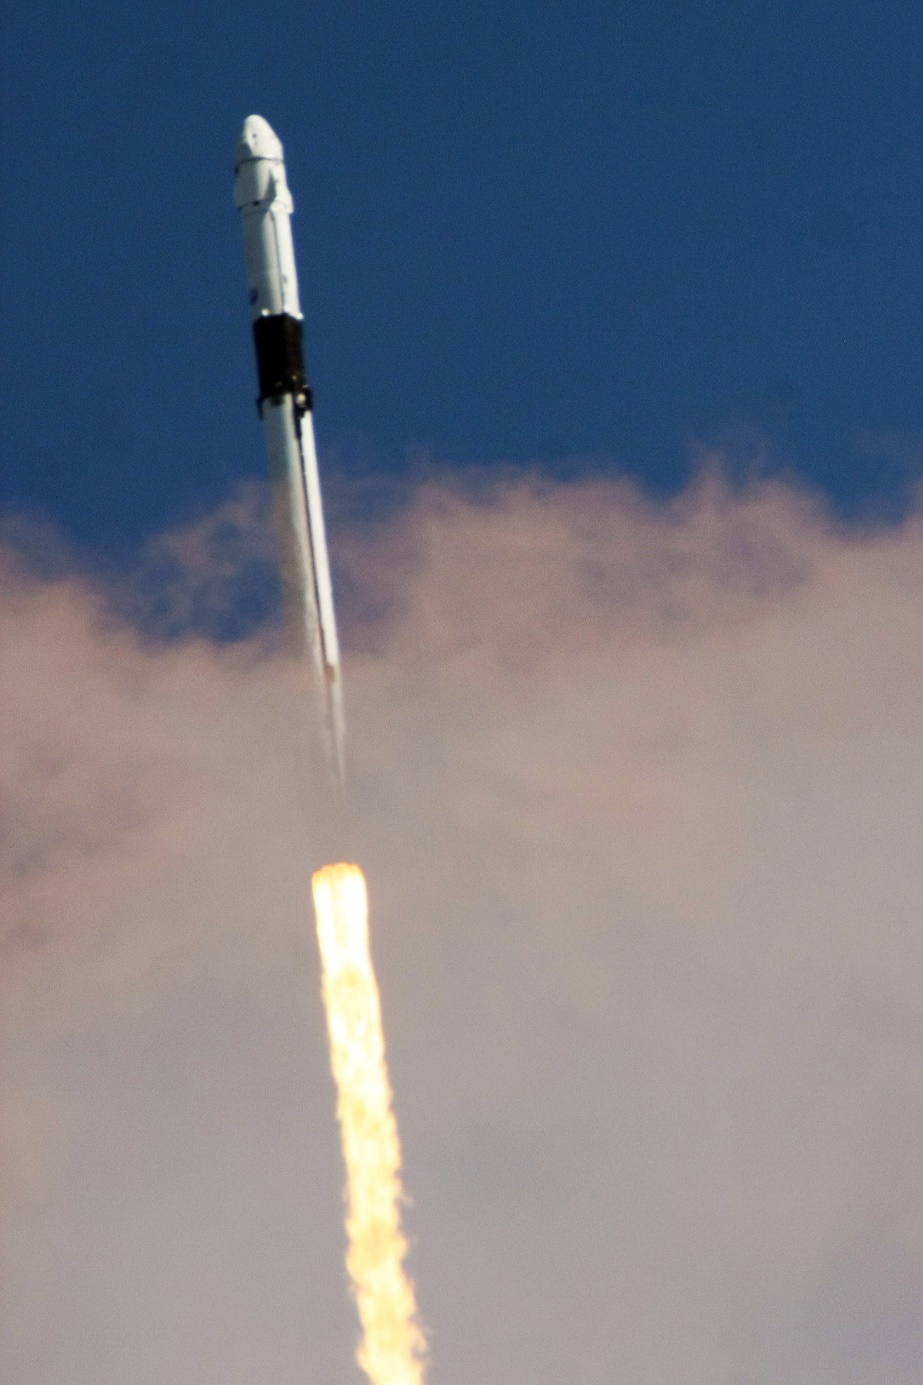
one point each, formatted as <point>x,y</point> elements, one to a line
<point>261,193</point>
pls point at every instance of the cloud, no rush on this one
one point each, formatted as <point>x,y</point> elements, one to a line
<point>639,801</point>
<point>100,753</point>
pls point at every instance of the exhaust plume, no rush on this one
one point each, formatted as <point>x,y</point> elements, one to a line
<point>392,1346</point>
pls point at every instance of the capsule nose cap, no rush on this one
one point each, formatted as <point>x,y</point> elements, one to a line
<point>257,140</point>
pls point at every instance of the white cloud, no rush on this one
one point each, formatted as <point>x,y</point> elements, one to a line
<point>639,801</point>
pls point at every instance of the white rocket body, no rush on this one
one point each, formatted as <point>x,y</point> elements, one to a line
<point>261,193</point>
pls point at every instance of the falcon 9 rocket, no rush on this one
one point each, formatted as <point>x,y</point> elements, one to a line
<point>262,195</point>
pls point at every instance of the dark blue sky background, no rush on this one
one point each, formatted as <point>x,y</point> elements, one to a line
<point>525,232</point>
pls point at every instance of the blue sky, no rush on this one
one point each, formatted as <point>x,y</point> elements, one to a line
<point>525,232</point>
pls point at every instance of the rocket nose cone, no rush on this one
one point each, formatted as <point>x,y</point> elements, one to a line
<point>257,140</point>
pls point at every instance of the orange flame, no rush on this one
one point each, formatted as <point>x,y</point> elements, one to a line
<point>392,1346</point>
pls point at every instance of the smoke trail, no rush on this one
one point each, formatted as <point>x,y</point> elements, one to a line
<point>392,1346</point>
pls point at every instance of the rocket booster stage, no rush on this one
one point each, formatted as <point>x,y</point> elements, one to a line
<point>265,203</point>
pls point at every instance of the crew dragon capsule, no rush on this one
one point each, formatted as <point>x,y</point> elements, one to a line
<point>262,195</point>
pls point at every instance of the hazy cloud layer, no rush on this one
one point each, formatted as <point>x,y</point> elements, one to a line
<point>640,800</point>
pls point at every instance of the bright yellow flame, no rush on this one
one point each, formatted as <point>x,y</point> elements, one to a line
<point>392,1347</point>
